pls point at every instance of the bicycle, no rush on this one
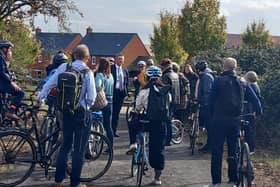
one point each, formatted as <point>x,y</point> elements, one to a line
<point>177,131</point>
<point>245,165</point>
<point>140,157</point>
<point>194,129</point>
<point>20,152</point>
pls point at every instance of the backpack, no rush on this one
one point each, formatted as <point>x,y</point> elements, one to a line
<point>231,95</point>
<point>69,86</point>
<point>158,103</point>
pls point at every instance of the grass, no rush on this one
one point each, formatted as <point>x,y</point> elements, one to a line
<point>272,158</point>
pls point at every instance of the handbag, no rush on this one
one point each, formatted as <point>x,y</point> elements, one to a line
<point>100,100</point>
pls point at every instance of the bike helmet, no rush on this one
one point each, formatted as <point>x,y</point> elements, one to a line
<point>153,71</point>
<point>201,65</point>
<point>6,44</point>
<point>141,63</point>
<point>60,58</point>
<point>165,62</point>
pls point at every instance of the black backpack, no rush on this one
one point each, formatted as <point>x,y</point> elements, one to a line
<point>158,103</point>
<point>69,86</point>
<point>231,95</point>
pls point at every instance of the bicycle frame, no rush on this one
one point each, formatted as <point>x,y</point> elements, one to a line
<point>140,146</point>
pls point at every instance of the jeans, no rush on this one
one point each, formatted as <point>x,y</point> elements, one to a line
<point>107,121</point>
<point>205,121</point>
<point>225,130</point>
<point>250,131</point>
<point>74,131</point>
<point>118,100</point>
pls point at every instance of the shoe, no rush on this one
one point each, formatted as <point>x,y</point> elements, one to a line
<point>232,184</point>
<point>57,184</point>
<point>156,182</point>
<point>12,116</point>
<point>116,135</point>
<point>132,149</point>
<point>212,185</point>
<point>81,185</point>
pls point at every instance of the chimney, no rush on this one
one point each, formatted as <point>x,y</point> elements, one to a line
<point>38,30</point>
<point>89,30</point>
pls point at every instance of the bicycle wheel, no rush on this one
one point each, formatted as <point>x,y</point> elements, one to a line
<point>133,168</point>
<point>96,166</point>
<point>17,158</point>
<point>97,126</point>
<point>140,168</point>
<point>193,135</point>
<point>247,170</point>
<point>177,131</point>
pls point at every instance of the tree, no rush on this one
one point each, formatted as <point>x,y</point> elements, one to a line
<point>26,48</point>
<point>23,9</point>
<point>201,27</point>
<point>164,42</point>
<point>256,36</point>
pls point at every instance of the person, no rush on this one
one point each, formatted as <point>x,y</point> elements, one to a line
<point>111,60</point>
<point>140,80</point>
<point>105,79</point>
<point>251,78</point>
<point>181,110</point>
<point>226,119</point>
<point>205,83</point>
<point>156,128</point>
<point>169,77</point>
<point>58,59</point>
<point>150,62</point>
<point>74,127</point>
<point>192,77</point>
<point>120,75</point>
<point>7,85</point>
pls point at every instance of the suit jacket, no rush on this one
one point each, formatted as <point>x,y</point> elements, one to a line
<point>125,74</point>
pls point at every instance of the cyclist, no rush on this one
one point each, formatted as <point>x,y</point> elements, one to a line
<point>140,80</point>
<point>169,77</point>
<point>156,128</point>
<point>225,104</point>
<point>58,59</point>
<point>205,83</point>
<point>7,85</point>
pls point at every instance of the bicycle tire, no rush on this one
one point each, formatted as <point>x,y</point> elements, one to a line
<point>140,168</point>
<point>177,131</point>
<point>94,169</point>
<point>97,126</point>
<point>194,135</point>
<point>133,168</point>
<point>18,154</point>
<point>247,167</point>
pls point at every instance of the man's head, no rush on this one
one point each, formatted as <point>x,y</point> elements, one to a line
<point>111,60</point>
<point>60,58</point>
<point>119,60</point>
<point>188,68</point>
<point>6,48</point>
<point>165,64</point>
<point>150,62</point>
<point>175,67</point>
<point>230,64</point>
<point>82,53</point>
<point>200,66</point>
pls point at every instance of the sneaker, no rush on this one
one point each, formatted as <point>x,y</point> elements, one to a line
<point>57,184</point>
<point>212,185</point>
<point>132,149</point>
<point>81,185</point>
<point>232,184</point>
<point>156,182</point>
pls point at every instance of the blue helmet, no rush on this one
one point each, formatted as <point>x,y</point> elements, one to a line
<point>60,58</point>
<point>153,71</point>
<point>6,44</point>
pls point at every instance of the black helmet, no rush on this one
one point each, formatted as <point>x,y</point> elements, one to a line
<point>6,44</point>
<point>60,58</point>
<point>201,65</point>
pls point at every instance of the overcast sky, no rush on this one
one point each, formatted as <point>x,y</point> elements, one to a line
<point>138,16</point>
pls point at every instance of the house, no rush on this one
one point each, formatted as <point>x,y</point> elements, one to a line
<point>50,44</point>
<point>103,44</point>
<point>235,40</point>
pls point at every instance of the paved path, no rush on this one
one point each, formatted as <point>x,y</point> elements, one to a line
<point>182,170</point>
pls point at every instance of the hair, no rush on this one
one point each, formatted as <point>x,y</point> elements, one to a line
<point>230,64</point>
<point>104,67</point>
<point>150,62</point>
<point>175,67</point>
<point>251,76</point>
<point>81,52</point>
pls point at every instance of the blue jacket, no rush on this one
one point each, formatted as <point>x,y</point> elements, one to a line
<point>206,80</point>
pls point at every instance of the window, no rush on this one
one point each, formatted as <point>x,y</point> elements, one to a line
<point>39,74</point>
<point>39,59</point>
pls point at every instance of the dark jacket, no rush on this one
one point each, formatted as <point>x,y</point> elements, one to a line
<point>125,73</point>
<point>5,77</point>
<point>169,77</point>
<point>206,80</point>
<point>192,77</point>
<point>215,99</point>
<point>248,106</point>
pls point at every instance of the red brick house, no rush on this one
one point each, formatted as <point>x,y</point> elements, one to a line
<point>102,44</point>
<point>51,43</point>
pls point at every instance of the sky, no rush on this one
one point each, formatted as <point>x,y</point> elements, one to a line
<point>138,16</point>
